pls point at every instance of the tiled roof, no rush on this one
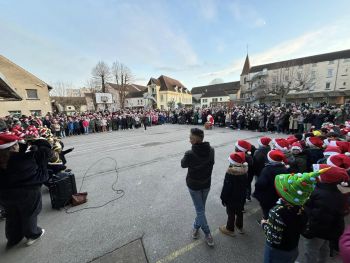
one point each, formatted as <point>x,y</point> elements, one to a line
<point>167,83</point>
<point>6,91</point>
<point>229,87</point>
<point>303,60</point>
<point>215,93</point>
<point>129,87</point>
<point>246,66</point>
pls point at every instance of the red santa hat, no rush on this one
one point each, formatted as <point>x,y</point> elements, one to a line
<point>292,139</point>
<point>281,144</point>
<point>264,141</point>
<point>339,160</point>
<point>331,150</point>
<point>333,175</point>
<point>237,158</point>
<point>7,140</point>
<point>297,146</point>
<point>276,156</point>
<point>243,146</point>
<point>343,146</point>
<point>314,142</point>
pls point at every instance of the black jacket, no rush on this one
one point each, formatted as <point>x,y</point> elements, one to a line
<point>312,157</point>
<point>265,191</point>
<point>234,190</point>
<point>199,161</point>
<point>260,159</point>
<point>26,169</point>
<point>325,210</point>
<point>286,223</point>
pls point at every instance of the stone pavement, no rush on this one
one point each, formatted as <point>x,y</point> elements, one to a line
<point>152,221</point>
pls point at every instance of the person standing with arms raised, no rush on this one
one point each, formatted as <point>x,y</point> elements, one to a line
<point>199,161</point>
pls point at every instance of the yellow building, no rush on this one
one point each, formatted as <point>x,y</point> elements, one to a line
<point>167,93</point>
<point>33,91</point>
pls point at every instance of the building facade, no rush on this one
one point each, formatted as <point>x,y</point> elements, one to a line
<point>167,93</point>
<point>217,94</point>
<point>136,100</point>
<point>314,79</point>
<point>33,91</point>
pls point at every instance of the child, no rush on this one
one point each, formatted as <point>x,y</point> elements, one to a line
<point>300,159</point>
<point>287,219</point>
<point>234,193</point>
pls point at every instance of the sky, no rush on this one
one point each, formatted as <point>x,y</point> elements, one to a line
<point>194,41</point>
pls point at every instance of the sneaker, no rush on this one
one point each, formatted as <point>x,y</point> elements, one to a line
<point>195,233</point>
<point>209,239</point>
<point>32,241</point>
<point>241,231</point>
<point>225,231</point>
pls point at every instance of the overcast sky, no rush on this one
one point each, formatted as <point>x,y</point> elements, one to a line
<point>194,41</point>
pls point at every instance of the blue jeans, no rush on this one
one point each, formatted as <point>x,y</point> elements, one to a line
<point>199,198</point>
<point>273,255</point>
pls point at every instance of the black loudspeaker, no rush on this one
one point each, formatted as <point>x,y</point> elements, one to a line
<point>61,187</point>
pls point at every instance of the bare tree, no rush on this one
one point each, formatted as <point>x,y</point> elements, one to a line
<point>123,77</point>
<point>60,89</point>
<point>282,81</point>
<point>102,73</point>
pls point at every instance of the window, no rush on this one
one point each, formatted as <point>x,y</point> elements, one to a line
<point>328,85</point>
<point>35,112</point>
<point>286,78</point>
<point>331,62</point>
<point>313,74</point>
<point>314,64</point>
<point>330,73</point>
<point>347,60</point>
<point>214,100</point>
<point>220,99</point>
<point>274,79</point>
<point>161,98</point>
<point>299,75</point>
<point>32,94</point>
<point>245,80</point>
<point>15,113</point>
<point>344,83</point>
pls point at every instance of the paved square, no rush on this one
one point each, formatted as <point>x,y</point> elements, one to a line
<point>156,206</point>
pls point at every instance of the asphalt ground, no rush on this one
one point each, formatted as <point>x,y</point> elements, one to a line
<point>153,207</point>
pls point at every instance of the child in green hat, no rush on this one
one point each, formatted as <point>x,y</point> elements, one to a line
<point>287,219</point>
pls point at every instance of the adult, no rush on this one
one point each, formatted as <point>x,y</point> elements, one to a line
<point>21,177</point>
<point>199,161</point>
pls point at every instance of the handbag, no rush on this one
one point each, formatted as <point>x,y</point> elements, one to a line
<point>79,198</point>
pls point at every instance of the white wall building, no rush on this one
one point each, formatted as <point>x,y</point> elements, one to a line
<point>326,78</point>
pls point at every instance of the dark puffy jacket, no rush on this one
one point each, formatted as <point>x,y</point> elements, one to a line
<point>299,165</point>
<point>325,210</point>
<point>234,191</point>
<point>312,157</point>
<point>199,161</point>
<point>260,159</point>
<point>265,191</point>
<point>27,169</point>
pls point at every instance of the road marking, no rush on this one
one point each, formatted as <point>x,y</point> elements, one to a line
<point>181,251</point>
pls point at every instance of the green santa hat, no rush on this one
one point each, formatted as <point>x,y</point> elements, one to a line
<point>297,188</point>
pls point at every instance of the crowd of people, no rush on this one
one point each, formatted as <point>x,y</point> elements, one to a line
<point>301,185</point>
<point>298,179</point>
<point>287,119</point>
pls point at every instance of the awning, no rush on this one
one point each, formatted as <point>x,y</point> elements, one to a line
<point>6,92</point>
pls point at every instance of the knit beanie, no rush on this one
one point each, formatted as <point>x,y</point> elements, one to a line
<point>296,188</point>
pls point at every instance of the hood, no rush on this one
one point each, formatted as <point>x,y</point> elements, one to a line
<point>237,170</point>
<point>201,149</point>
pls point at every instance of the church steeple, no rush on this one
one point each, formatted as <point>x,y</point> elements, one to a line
<point>246,66</point>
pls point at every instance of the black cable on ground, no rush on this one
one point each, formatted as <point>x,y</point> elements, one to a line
<point>118,192</point>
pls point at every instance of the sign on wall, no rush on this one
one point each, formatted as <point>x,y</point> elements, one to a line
<point>104,98</point>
